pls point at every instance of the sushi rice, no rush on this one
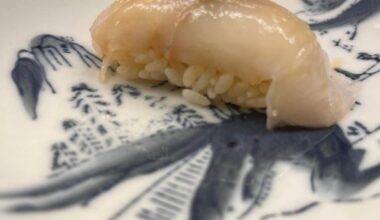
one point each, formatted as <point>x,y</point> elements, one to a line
<point>202,85</point>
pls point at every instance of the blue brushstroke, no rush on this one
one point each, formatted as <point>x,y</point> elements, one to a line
<point>372,70</point>
<point>322,5</point>
<point>29,73</point>
<point>353,15</point>
<point>232,141</point>
<point>28,77</point>
<point>237,137</point>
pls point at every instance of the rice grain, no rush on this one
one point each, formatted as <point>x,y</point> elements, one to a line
<point>143,74</point>
<point>224,83</point>
<point>174,77</point>
<point>158,75</point>
<point>203,85</point>
<point>156,65</point>
<point>202,82</point>
<point>195,97</point>
<point>191,74</point>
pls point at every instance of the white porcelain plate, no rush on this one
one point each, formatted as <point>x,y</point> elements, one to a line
<point>72,147</point>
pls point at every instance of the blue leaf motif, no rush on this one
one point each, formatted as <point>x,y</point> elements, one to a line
<point>28,77</point>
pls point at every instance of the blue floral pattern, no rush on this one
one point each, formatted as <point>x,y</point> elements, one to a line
<point>203,164</point>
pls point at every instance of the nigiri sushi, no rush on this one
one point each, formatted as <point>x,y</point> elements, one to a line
<point>251,53</point>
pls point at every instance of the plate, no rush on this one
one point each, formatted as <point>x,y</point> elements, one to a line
<point>73,147</point>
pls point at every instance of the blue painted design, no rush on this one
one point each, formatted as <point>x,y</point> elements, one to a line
<point>86,165</point>
<point>46,52</point>
<point>344,46</point>
<point>28,75</point>
<point>361,132</point>
<point>300,210</point>
<point>315,204</point>
<point>87,139</point>
<point>355,14</point>
<point>146,192</point>
<point>322,5</point>
<point>372,69</point>
<point>183,116</point>
<point>119,90</point>
<point>232,140</point>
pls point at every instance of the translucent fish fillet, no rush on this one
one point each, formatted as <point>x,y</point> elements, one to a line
<point>251,53</point>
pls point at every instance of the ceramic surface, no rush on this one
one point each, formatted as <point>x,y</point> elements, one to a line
<point>72,147</point>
